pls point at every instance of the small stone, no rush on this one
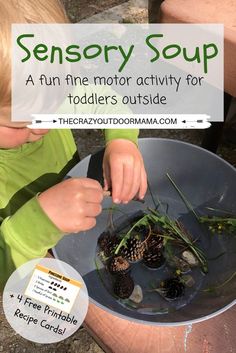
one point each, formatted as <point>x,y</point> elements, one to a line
<point>1,348</point>
<point>188,281</point>
<point>189,258</point>
<point>179,264</point>
<point>137,294</point>
<point>183,266</point>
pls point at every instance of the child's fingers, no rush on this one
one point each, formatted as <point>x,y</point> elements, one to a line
<point>116,180</point>
<point>93,195</point>
<point>92,209</point>
<point>106,184</point>
<point>143,184</point>
<point>106,176</point>
<point>88,183</point>
<point>136,182</point>
<point>88,223</point>
<point>128,174</point>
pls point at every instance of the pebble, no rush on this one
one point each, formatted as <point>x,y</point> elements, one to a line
<point>188,281</point>
<point>189,258</point>
<point>179,264</point>
<point>137,294</point>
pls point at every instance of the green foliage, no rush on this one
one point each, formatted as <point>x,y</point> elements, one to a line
<point>171,231</point>
<point>220,224</point>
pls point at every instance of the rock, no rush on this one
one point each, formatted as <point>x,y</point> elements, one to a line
<point>137,294</point>
<point>179,264</point>
<point>190,258</point>
<point>188,281</point>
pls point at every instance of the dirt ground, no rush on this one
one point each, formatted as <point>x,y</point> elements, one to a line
<point>80,9</point>
<point>88,142</point>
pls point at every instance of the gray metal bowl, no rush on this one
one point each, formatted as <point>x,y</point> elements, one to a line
<point>207,181</point>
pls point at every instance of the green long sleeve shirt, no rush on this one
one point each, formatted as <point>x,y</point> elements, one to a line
<point>25,230</point>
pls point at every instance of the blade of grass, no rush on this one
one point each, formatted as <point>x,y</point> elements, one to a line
<point>126,237</point>
<point>153,198</point>
<point>217,256</point>
<point>219,210</point>
<point>210,289</point>
<point>186,202</point>
<point>197,252</point>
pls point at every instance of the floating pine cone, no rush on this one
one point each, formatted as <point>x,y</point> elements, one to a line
<point>124,286</point>
<point>155,242</point>
<point>107,243</point>
<point>172,288</point>
<point>103,239</point>
<point>153,258</point>
<point>118,265</point>
<point>134,249</point>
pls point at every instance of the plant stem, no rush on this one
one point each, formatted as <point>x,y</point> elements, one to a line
<point>205,219</point>
<point>149,234</point>
<point>126,237</point>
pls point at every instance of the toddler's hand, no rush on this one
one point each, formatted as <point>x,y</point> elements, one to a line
<point>73,204</point>
<point>124,171</point>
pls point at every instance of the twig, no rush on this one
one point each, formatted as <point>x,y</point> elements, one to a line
<point>149,234</point>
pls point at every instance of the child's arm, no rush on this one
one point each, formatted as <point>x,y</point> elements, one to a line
<point>123,165</point>
<point>26,235</point>
<point>124,170</point>
<point>70,206</point>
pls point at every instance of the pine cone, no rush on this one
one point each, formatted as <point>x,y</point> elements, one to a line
<point>124,286</point>
<point>118,265</point>
<point>107,243</point>
<point>155,242</point>
<point>103,239</point>
<point>133,250</point>
<point>153,258</point>
<point>173,288</point>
